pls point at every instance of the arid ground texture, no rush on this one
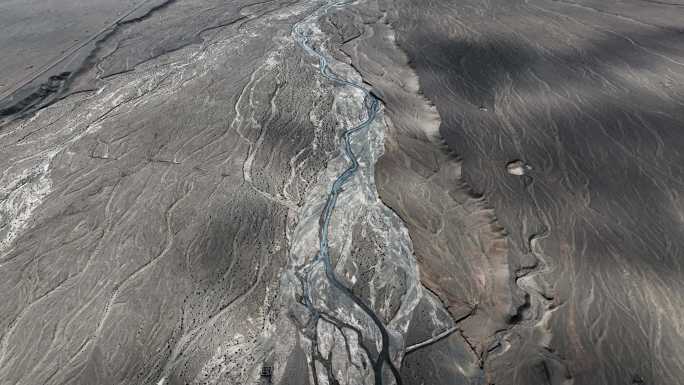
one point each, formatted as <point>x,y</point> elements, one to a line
<point>332,192</point>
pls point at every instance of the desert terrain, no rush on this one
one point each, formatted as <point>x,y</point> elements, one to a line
<point>342,192</point>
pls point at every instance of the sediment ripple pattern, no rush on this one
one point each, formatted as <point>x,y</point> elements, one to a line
<point>589,95</point>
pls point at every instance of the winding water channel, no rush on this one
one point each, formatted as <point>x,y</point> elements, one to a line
<point>302,32</point>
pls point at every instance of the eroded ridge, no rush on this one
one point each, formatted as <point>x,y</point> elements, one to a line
<point>588,94</point>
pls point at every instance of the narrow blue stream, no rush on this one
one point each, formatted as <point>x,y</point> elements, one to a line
<point>371,105</point>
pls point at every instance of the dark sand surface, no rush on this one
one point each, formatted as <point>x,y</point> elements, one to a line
<point>590,95</point>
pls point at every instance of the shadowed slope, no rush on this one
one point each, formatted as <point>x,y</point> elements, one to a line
<point>592,101</point>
